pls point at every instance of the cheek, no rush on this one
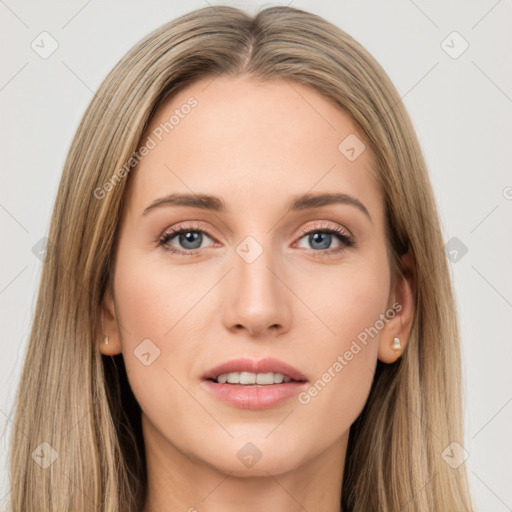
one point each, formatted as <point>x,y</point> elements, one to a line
<point>152,307</point>
<point>152,299</point>
<point>349,298</point>
<point>141,305</point>
<point>345,356</point>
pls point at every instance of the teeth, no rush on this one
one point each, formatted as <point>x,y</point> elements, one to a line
<point>248,378</point>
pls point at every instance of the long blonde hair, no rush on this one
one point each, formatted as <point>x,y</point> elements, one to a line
<point>80,403</point>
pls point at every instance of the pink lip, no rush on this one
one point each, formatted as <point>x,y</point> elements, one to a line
<point>254,396</point>
<point>266,365</point>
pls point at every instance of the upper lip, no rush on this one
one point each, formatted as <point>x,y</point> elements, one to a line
<point>266,365</point>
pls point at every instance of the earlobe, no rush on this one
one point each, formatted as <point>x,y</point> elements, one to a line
<point>396,333</point>
<point>109,342</point>
<point>390,350</point>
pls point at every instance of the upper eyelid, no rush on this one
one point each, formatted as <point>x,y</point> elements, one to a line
<point>191,225</point>
<point>321,225</point>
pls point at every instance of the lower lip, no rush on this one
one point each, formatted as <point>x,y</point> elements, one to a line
<point>254,397</point>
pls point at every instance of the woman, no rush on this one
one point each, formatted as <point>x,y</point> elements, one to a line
<point>245,303</point>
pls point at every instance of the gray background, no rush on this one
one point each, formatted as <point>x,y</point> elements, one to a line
<point>461,108</point>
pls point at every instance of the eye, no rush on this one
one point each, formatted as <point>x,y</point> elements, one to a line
<point>189,238</point>
<point>321,237</point>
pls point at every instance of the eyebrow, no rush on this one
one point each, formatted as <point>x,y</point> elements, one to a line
<point>216,204</point>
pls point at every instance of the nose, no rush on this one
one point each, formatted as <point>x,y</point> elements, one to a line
<point>258,299</point>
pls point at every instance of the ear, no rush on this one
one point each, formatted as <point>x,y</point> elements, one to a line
<point>110,327</point>
<point>402,302</point>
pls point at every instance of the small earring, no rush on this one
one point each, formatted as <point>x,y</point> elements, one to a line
<point>105,339</point>
<point>396,344</point>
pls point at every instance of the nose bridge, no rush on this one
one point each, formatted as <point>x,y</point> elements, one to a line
<point>258,299</point>
<point>253,266</point>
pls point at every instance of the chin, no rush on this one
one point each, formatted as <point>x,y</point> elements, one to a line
<point>259,457</point>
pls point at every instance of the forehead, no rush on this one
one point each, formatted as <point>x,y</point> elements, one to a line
<point>252,142</point>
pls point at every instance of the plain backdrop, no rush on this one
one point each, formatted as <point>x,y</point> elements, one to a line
<point>451,63</point>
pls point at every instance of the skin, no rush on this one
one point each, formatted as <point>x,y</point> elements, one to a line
<point>255,145</point>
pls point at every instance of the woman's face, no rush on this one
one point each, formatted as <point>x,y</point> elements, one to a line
<point>262,273</point>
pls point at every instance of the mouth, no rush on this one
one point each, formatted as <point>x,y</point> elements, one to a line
<point>252,379</point>
<point>249,372</point>
<point>250,384</point>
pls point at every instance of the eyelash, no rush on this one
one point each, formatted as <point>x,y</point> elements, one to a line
<point>341,235</point>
